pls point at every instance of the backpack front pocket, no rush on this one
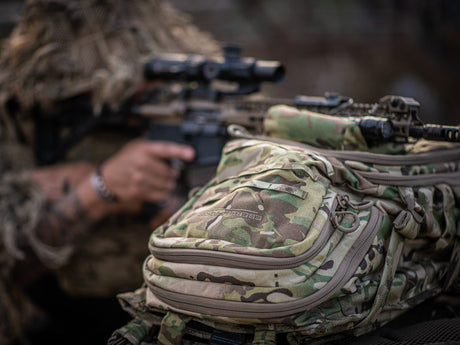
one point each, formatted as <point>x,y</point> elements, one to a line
<point>254,293</point>
<point>266,207</point>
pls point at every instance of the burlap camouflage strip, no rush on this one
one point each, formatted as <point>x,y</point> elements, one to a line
<point>63,48</point>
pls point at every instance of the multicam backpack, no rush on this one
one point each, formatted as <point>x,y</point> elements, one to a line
<point>293,243</point>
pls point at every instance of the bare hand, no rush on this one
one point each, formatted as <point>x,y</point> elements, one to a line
<point>140,171</point>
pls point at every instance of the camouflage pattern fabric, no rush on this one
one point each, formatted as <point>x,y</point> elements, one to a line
<point>333,132</point>
<point>316,129</point>
<point>307,242</point>
<point>21,202</point>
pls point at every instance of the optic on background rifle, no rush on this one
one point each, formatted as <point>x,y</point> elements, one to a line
<point>198,97</point>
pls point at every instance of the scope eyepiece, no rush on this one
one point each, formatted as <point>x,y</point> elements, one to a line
<point>374,128</point>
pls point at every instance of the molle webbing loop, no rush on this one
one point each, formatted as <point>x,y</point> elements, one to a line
<point>408,222</point>
<point>264,337</point>
<point>172,328</point>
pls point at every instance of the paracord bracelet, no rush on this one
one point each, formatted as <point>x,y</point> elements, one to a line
<point>97,181</point>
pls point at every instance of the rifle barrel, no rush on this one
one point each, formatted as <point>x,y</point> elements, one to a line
<point>436,132</point>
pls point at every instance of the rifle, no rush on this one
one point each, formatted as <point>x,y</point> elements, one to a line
<point>198,97</point>
<point>199,114</point>
<point>392,118</point>
<point>188,106</point>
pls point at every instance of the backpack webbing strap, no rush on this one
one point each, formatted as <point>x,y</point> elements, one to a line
<point>264,337</point>
<point>172,328</point>
<point>131,334</point>
<point>391,263</point>
<point>452,274</point>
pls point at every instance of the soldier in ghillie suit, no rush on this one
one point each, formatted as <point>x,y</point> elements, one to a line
<point>78,217</point>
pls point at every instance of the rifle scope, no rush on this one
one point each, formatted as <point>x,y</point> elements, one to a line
<point>203,69</point>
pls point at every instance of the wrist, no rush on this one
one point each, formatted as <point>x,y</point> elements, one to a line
<point>100,187</point>
<point>98,204</point>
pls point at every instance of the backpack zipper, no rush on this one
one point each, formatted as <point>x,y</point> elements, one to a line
<point>246,261</point>
<point>391,160</point>
<point>452,178</point>
<point>369,157</point>
<point>383,159</point>
<point>222,308</point>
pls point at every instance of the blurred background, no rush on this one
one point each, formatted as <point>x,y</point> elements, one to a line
<point>362,49</point>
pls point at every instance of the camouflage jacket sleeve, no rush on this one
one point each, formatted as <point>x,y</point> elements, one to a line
<point>21,202</point>
<point>21,205</point>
